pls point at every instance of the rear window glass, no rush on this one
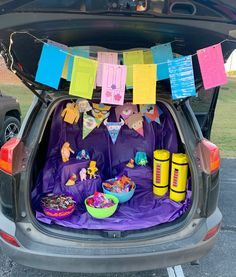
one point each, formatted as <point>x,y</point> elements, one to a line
<point>202,103</point>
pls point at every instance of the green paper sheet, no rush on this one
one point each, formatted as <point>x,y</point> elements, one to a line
<point>131,58</point>
<point>83,77</point>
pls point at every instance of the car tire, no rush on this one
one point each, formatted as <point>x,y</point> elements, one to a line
<point>11,128</point>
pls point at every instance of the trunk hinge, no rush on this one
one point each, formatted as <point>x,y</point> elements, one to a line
<point>35,92</point>
<point>9,61</point>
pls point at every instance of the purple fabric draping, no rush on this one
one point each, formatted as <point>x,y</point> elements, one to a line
<point>144,210</point>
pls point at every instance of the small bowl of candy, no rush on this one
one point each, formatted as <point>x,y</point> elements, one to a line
<point>100,205</point>
<point>121,187</point>
<point>58,206</point>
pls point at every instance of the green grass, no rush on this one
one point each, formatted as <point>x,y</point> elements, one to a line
<point>23,95</point>
<point>224,126</point>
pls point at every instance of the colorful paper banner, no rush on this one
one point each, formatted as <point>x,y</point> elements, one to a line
<point>212,67</point>
<point>89,124</point>
<point>57,44</point>
<point>74,51</point>
<point>125,111</point>
<point>148,58</point>
<point>102,58</point>
<point>50,66</point>
<point>151,113</point>
<point>135,121</point>
<point>182,77</point>
<point>113,84</point>
<point>83,77</point>
<point>144,80</point>
<point>131,58</point>
<point>100,111</point>
<point>161,54</point>
<point>114,129</point>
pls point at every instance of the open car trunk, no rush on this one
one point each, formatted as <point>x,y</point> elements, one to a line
<point>144,210</point>
<point>117,30</point>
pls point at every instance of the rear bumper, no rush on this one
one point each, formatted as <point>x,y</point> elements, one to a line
<point>142,255</point>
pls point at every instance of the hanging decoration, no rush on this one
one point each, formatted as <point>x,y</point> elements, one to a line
<point>114,129</point>
<point>71,113</point>
<point>135,121</point>
<point>161,54</point>
<point>83,77</point>
<point>182,77</point>
<point>113,84</point>
<point>100,112</point>
<point>151,113</point>
<point>83,105</point>
<point>144,80</point>
<point>125,111</point>
<point>104,58</point>
<point>89,124</point>
<point>50,66</point>
<point>148,58</point>
<point>212,67</point>
<point>57,60</point>
<point>131,58</point>
<point>72,53</point>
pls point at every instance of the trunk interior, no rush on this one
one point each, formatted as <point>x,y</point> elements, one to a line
<point>144,211</point>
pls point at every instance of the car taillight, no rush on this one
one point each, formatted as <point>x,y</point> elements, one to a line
<point>209,156</point>
<point>10,239</point>
<point>6,154</point>
<point>212,232</point>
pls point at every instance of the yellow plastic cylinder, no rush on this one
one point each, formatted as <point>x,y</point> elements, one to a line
<point>161,165</point>
<point>179,173</point>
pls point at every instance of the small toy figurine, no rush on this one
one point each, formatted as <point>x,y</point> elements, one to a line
<point>71,114</point>
<point>141,158</point>
<point>71,180</point>
<point>130,164</point>
<point>83,155</point>
<point>92,170</point>
<point>65,152</point>
<point>82,174</point>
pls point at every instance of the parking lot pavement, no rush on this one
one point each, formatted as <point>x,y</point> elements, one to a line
<point>221,261</point>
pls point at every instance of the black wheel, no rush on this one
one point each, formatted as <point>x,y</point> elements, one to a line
<point>11,128</point>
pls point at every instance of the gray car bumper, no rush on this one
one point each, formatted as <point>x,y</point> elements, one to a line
<point>114,256</point>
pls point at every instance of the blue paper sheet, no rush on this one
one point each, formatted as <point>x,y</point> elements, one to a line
<point>50,66</point>
<point>161,54</point>
<point>76,51</point>
<point>182,77</point>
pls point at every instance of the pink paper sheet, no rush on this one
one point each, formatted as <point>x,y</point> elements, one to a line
<point>105,57</point>
<point>212,66</point>
<point>113,84</point>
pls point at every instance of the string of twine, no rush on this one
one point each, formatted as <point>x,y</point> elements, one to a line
<point>69,54</point>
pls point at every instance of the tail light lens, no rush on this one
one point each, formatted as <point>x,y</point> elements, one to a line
<point>9,239</point>
<point>212,232</point>
<point>209,156</point>
<point>6,155</point>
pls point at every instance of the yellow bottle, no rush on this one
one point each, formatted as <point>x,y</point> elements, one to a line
<point>179,173</point>
<point>161,164</point>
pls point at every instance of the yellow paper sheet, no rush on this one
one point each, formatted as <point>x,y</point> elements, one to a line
<point>131,58</point>
<point>83,77</point>
<point>65,68</point>
<point>144,91</point>
<point>148,58</point>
